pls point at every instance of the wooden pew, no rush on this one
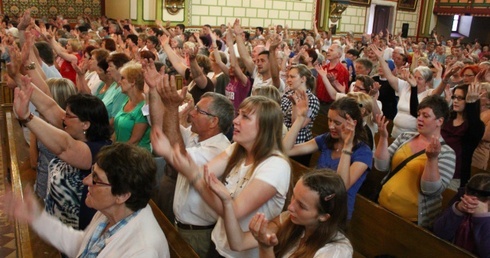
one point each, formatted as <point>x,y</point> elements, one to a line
<point>177,245</point>
<point>28,243</point>
<point>376,231</point>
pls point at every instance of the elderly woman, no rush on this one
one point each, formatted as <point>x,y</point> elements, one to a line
<point>124,225</point>
<point>411,90</point>
<point>130,125</point>
<point>75,135</point>
<point>421,165</point>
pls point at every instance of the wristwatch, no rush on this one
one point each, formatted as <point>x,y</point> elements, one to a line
<point>30,66</point>
<point>23,122</point>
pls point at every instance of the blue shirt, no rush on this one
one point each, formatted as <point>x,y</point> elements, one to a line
<point>360,153</point>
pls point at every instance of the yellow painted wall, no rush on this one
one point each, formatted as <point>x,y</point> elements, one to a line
<point>117,9</point>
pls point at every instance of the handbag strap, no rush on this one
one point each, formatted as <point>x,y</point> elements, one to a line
<point>402,164</point>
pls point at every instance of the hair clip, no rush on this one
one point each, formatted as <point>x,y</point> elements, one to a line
<point>329,197</point>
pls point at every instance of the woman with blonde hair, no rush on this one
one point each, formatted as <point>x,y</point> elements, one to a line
<point>61,89</point>
<point>68,55</point>
<point>254,169</point>
<point>369,121</point>
<point>130,125</point>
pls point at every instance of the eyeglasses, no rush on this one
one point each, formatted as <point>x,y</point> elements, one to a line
<point>94,177</point>
<point>459,98</point>
<point>357,88</point>
<point>202,112</point>
<point>70,116</point>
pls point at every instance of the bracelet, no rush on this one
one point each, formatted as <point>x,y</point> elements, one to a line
<point>23,122</point>
<point>195,179</point>
<point>30,66</point>
<point>344,151</point>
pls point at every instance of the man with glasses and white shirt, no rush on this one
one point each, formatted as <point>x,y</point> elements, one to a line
<point>210,118</point>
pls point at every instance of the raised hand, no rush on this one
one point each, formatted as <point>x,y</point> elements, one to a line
<point>348,130</point>
<point>23,208</point>
<point>21,98</point>
<point>82,68</point>
<point>300,102</point>
<point>276,40</point>
<point>163,40</point>
<point>382,125</point>
<point>374,92</point>
<point>434,148</point>
<point>377,52</point>
<point>168,92</point>
<point>473,93</point>
<point>13,67</point>
<point>150,73</point>
<point>25,20</point>
<point>320,70</point>
<point>237,28</point>
<point>258,228</point>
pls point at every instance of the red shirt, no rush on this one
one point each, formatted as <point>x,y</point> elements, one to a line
<point>67,71</point>
<point>342,76</point>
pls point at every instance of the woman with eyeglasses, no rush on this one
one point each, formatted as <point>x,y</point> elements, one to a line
<point>463,130</point>
<point>75,136</point>
<point>468,73</point>
<point>119,189</point>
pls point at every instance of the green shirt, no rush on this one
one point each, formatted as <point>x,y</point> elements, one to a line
<point>124,123</point>
<point>113,98</point>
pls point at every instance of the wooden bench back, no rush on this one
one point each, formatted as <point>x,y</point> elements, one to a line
<point>377,231</point>
<point>21,174</point>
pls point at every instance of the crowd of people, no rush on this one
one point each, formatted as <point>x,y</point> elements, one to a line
<point>98,98</point>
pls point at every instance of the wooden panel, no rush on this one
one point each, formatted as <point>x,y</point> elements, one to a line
<point>28,243</point>
<point>178,246</point>
<point>23,243</point>
<point>377,231</point>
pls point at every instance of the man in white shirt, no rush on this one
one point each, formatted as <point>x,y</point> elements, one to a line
<point>260,69</point>
<point>211,117</point>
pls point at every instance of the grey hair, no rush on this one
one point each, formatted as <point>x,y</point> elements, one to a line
<point>222,108</point>
<point>425,71</point>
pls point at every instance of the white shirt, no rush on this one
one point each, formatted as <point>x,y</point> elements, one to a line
<point>259,82</point>
<point>189,207</point>
<point>274,171</point>
<point>404,121</point>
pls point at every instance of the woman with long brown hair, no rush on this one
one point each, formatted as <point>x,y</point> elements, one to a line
<point>313,225</point>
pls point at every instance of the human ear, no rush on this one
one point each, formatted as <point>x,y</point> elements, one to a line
<point>122,198</point>
<point>324,217</point>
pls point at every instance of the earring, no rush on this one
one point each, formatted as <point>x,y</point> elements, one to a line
<point>84,132</point>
